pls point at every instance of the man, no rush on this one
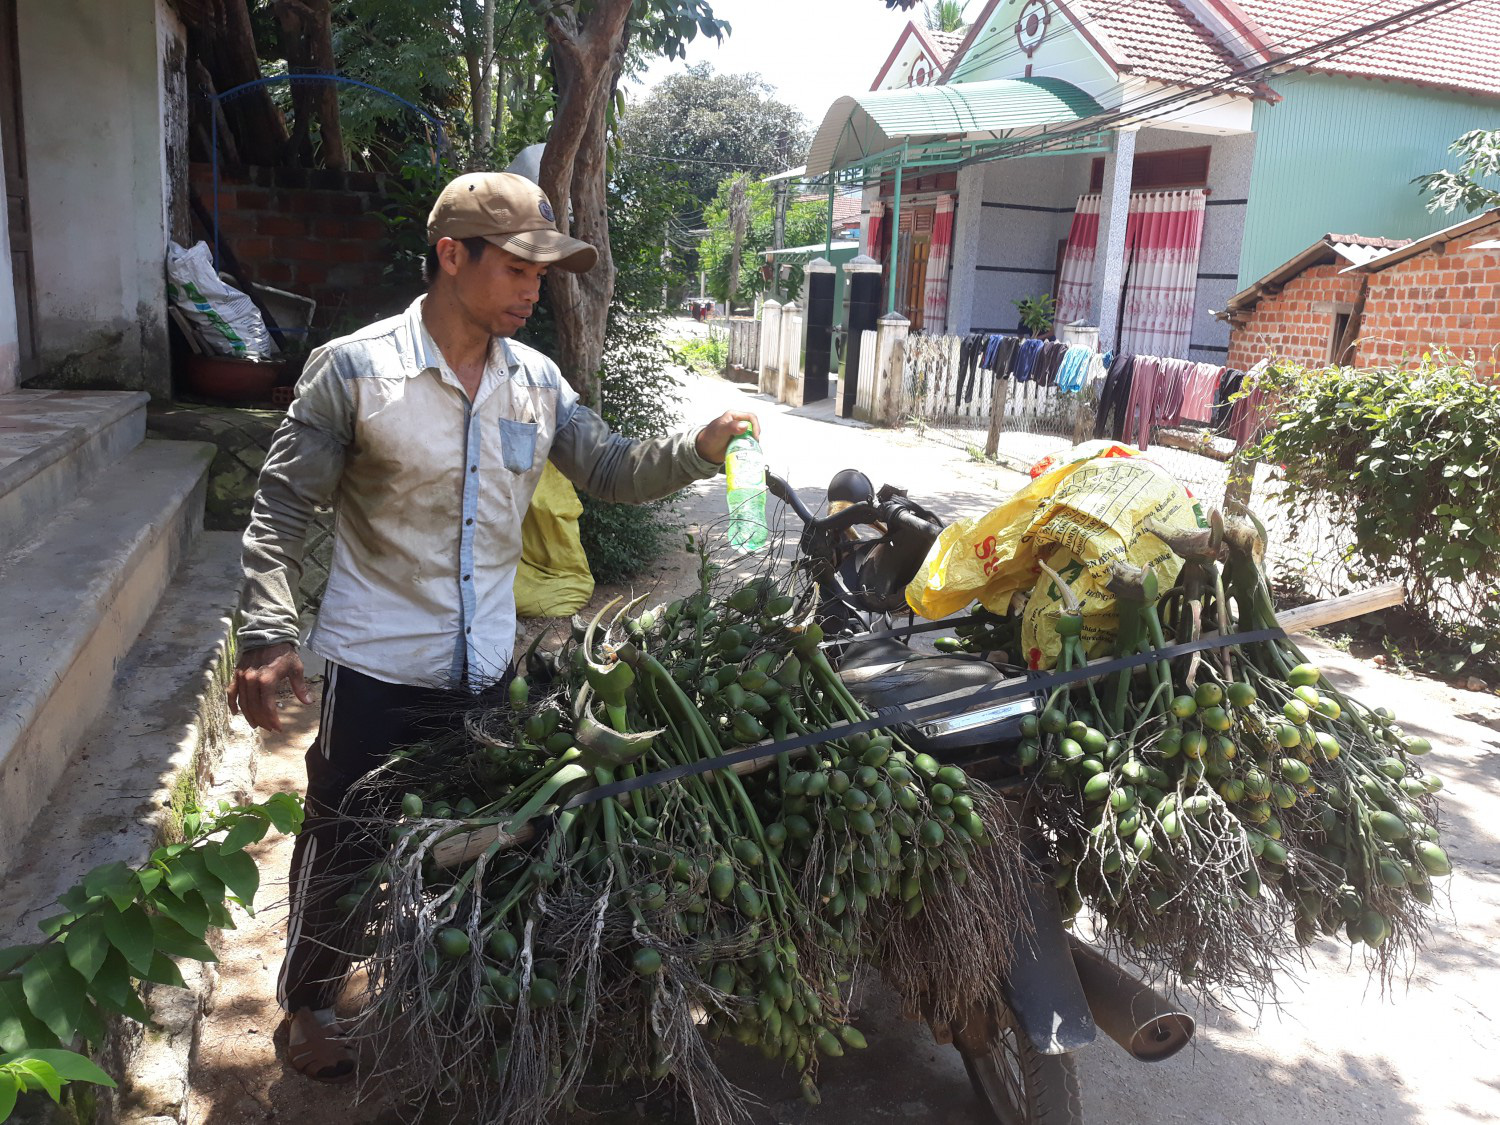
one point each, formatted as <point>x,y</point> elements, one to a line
<point>428,431</point>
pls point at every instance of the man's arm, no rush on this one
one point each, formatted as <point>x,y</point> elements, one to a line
<point>300,474</point>
<point>611,467</point>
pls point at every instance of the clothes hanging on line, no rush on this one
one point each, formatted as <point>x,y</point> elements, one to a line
<point>1114,397</point>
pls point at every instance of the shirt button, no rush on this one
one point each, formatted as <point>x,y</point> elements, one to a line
<point>468,630</point>
<point>467,522</point>
<point>473,468</point>
<point>466,577</point>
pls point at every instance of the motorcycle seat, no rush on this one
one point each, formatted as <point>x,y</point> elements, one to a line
<point>886,673</point>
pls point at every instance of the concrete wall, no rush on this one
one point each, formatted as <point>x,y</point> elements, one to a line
<point>1027,208</point>
<point>96,143</point>
<point>1229,166</point>
<point>10,344</point>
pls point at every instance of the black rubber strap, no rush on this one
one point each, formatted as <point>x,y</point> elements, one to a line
<point>897,716</point>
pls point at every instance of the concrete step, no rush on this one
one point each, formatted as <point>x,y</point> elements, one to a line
<point>73,602</point>
<point>52,443</point>
<point>164,742</point>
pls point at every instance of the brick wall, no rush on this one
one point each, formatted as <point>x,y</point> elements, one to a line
<point>1297,323</point>
<point>1436,300</point>
<point>314,233</point>
<point>1448,299</point>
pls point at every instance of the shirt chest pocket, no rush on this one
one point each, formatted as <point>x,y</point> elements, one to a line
<point>517,444</point>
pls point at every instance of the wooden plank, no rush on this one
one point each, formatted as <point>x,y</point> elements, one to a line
<point>1334,610</point>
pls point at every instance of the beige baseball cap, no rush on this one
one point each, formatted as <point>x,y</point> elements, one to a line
<point>511,212</point>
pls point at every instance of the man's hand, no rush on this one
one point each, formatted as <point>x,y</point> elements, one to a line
<point>713,439</point>
<point>256,678</point>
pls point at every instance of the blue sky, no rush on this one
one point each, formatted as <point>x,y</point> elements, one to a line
<point>812,51</point>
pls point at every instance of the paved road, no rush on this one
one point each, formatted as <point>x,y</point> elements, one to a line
<point>1335,1052</point>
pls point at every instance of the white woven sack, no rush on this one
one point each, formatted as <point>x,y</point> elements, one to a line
<point>227,321</point>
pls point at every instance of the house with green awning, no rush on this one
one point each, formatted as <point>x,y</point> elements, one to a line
<point>1141,162</point>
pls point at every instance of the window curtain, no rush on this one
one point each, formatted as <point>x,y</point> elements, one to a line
<point>935,292</point>
<point>1163,233</point>
<point>877,230</point>
<point>1075,280</point>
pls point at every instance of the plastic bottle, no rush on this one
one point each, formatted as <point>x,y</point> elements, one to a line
<point>745,493</point>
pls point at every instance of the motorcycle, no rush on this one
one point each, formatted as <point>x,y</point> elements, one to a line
<point>1058,990</point>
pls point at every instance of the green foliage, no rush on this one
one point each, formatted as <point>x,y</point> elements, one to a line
<point>1037,313</point>
<point>944,15</point>
<point>806,223</point>
<point>708,354</point>
<point>1479,152</point>
<point>120,926</point>
<point>706,124</point>
<point>1409,462</point>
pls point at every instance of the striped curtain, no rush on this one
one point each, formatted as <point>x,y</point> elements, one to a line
<point>1075,280</point>
<point>1163,234</point>
<point>877,230</point>
<point>935,292</point>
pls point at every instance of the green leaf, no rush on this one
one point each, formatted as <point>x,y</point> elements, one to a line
<point>34,1074</point>
<point>129,931</point>
<point>53,926</point>
<point>54,991</point>
<point>149,880</point>
<point>112,880</point>
<point>73,1067</point>
<point>219,916</point>
<point>235,870</point>
<point>251,828</point>
<point>172,939</point>
<point>86,944</point>
<point>75,899</point>
<point>91,1024</point>
<point>9,1088</point>
<point>13,955</point>
<point>19,1028</point>
<point>113,990</point>
<point>190,873</point>
<point>189,912</point>
<point>163,971</point>
<point>286,812</point>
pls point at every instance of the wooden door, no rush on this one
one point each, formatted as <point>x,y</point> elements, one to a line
<point>18,214</point>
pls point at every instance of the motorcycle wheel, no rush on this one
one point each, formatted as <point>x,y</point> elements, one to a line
<point>1019,1085</point>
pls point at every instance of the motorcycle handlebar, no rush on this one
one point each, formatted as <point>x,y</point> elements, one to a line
<point>838,521</point>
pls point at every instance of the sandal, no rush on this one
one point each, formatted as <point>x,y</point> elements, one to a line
<point>316,1048</point>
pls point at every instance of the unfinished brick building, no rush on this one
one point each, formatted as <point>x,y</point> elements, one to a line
<point>1377,302</point>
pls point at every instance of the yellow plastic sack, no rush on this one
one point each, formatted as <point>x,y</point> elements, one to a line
<point>553,579</point>
<point>1092,507</point>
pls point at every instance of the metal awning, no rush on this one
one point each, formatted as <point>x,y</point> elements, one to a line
<point>947,125</point>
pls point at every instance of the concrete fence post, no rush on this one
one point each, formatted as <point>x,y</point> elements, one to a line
<point>890,347</point>
<point>770,347</point>
<point>790,390</point>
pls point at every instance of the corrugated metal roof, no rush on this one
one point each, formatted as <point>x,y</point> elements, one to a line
<point>1330,249</point>
<point>865,124</point>
<point>1438,238</point>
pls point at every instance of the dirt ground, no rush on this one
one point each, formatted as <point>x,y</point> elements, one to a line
<point>1334,1051</point>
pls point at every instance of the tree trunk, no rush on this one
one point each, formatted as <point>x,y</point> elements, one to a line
<point>320,50</point>
<point>588,52</point>
<point>307,44</point>
<point>224,43</point>
<point>484,97</point>
<point>738,214</point>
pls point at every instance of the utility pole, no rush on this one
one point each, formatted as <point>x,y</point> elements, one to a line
<point>778,232</point>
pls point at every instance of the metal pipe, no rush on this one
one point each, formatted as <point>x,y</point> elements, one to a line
<point>1131,1013</point>
<point>892,264</point>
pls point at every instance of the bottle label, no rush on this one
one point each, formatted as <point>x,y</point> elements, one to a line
<point>744,469</point>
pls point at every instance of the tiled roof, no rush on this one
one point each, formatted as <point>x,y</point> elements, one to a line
<point>947,42</point>
<point>1456,50</point>
<point>1161,39</point>
<point>848,206</point>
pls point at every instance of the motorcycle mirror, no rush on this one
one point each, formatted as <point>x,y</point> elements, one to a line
<point>850,487</point>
